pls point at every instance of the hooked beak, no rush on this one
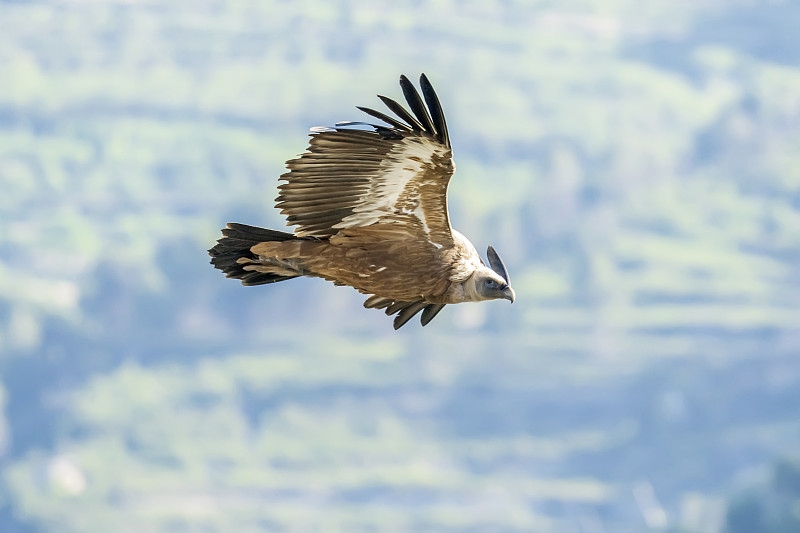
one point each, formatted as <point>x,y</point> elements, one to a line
<point>508,294</point>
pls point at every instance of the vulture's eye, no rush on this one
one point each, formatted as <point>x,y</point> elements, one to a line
<point>490,282</point>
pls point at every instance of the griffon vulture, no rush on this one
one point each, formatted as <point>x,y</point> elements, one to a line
<point>370,210</point>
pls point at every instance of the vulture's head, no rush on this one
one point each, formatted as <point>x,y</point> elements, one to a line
<point>492,283</point>
<point>490,286</point>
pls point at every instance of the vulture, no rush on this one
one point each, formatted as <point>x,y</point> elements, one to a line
<point>368,203</point>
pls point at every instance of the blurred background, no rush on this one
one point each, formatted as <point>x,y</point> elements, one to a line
<point>636,164</point>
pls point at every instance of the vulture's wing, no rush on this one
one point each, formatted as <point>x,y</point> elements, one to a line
<point>405,310</point>
<point>353,178</point>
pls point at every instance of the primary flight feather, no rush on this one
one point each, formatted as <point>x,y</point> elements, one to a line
<point>370,211</point>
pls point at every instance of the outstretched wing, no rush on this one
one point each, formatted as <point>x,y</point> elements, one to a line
<point>353,178</point>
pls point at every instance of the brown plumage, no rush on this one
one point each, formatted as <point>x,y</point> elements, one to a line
<point>369,208</point>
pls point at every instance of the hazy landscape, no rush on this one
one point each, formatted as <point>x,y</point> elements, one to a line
<point>636,164</point>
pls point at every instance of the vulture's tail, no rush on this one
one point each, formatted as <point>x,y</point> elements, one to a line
<point>232,253</point>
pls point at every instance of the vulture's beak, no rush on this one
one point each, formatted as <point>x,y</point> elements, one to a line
<point>508,294</point>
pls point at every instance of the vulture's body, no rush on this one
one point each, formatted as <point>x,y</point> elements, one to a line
<point>370,210</point>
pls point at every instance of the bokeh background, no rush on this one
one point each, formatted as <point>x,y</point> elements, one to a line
<point>637,165</point>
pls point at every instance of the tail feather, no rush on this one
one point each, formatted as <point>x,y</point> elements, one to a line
<point>235,244</point>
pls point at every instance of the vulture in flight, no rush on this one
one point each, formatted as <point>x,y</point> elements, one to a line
<point>369,206</point>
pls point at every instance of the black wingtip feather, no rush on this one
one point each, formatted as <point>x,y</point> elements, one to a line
<point>436,110</point>
<point>400,111</point>
<point>415,102</point>
<point>430,312</point>
<point>405,310</point>
<point>426,116</point>
<point>407,313</point>
<point>497,264</point>
<point>387,119</point>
